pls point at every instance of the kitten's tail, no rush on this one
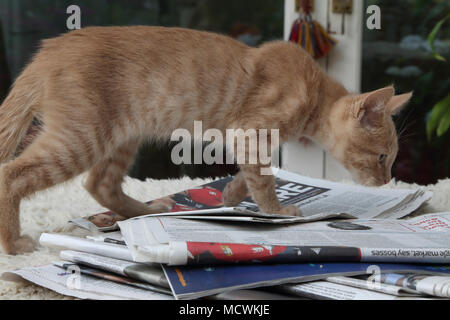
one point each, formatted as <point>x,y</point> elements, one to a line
<point>16,116</point>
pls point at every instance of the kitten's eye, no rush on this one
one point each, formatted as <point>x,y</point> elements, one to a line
<point>382,159</point>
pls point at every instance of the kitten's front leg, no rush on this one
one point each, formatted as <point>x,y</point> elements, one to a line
<point>236,191</point>
<point>262,188</point>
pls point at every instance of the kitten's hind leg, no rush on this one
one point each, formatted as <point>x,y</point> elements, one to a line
<point>236,191</point>
<point>49,161</point>
<point>105,184</point>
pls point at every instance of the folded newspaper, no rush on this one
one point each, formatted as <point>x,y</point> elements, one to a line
<point>317,199</point>
<point>176,242</point>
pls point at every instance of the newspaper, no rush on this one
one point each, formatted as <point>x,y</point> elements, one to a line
<point>82,286</point>
<point>193,283</point>
<point>424,239</point>
<point>324,290</point>
<point>114,277</point>
<point>438,286</point>
<point>317,199</point>
<point>201,253</point>
<point>110,237</point>
<point>149,274</point>
<point>116,251</point>
<point>372,285</point>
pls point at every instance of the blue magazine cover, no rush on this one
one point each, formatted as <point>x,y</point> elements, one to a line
<point>194,282</point>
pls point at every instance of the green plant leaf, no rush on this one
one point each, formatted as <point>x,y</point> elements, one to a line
<point>433,35</point>
<point>444,125</point>
<point>439,112</point>
<point>437,56</point>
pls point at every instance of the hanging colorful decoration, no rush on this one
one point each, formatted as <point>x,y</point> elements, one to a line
<point>310,34</point>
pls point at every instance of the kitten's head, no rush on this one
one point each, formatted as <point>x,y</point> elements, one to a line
<point>365,140</point>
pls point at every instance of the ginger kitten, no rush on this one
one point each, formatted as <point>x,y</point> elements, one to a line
<point>100,92</point>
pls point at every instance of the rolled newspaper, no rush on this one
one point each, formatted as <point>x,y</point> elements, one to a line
<point>83,245</point>
<point>201,253</point>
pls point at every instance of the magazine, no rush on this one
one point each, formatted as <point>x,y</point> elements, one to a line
<point>193,283</point>
<point>424,239</point>
<point>317,199</point>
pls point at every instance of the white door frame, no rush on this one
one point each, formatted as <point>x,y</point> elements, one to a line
<point>344,64</point>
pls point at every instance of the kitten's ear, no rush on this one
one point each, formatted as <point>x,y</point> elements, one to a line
<point>373,106</point>
<point>397,103</point>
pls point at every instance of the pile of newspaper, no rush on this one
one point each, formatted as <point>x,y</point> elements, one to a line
<point>348,245</point>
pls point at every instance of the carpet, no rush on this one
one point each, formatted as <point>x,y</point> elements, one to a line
<point>50,211</point>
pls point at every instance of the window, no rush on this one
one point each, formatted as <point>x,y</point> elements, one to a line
<point>400,54</point>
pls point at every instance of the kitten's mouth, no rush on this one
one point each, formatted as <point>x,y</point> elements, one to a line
<point>372,182</point>
<point>375,183</point>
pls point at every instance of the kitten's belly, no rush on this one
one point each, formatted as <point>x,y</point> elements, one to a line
<point>164,121</point>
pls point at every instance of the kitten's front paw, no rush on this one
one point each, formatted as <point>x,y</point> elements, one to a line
<point>291,211</point>
<point>163,205</point>
<point>24,244</point>
<point>235,192</point>
<point>155,208</point>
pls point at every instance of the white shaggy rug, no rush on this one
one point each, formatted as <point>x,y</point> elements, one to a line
<point>51,210</point>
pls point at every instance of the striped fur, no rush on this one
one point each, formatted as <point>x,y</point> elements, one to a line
<point>100,92</point>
